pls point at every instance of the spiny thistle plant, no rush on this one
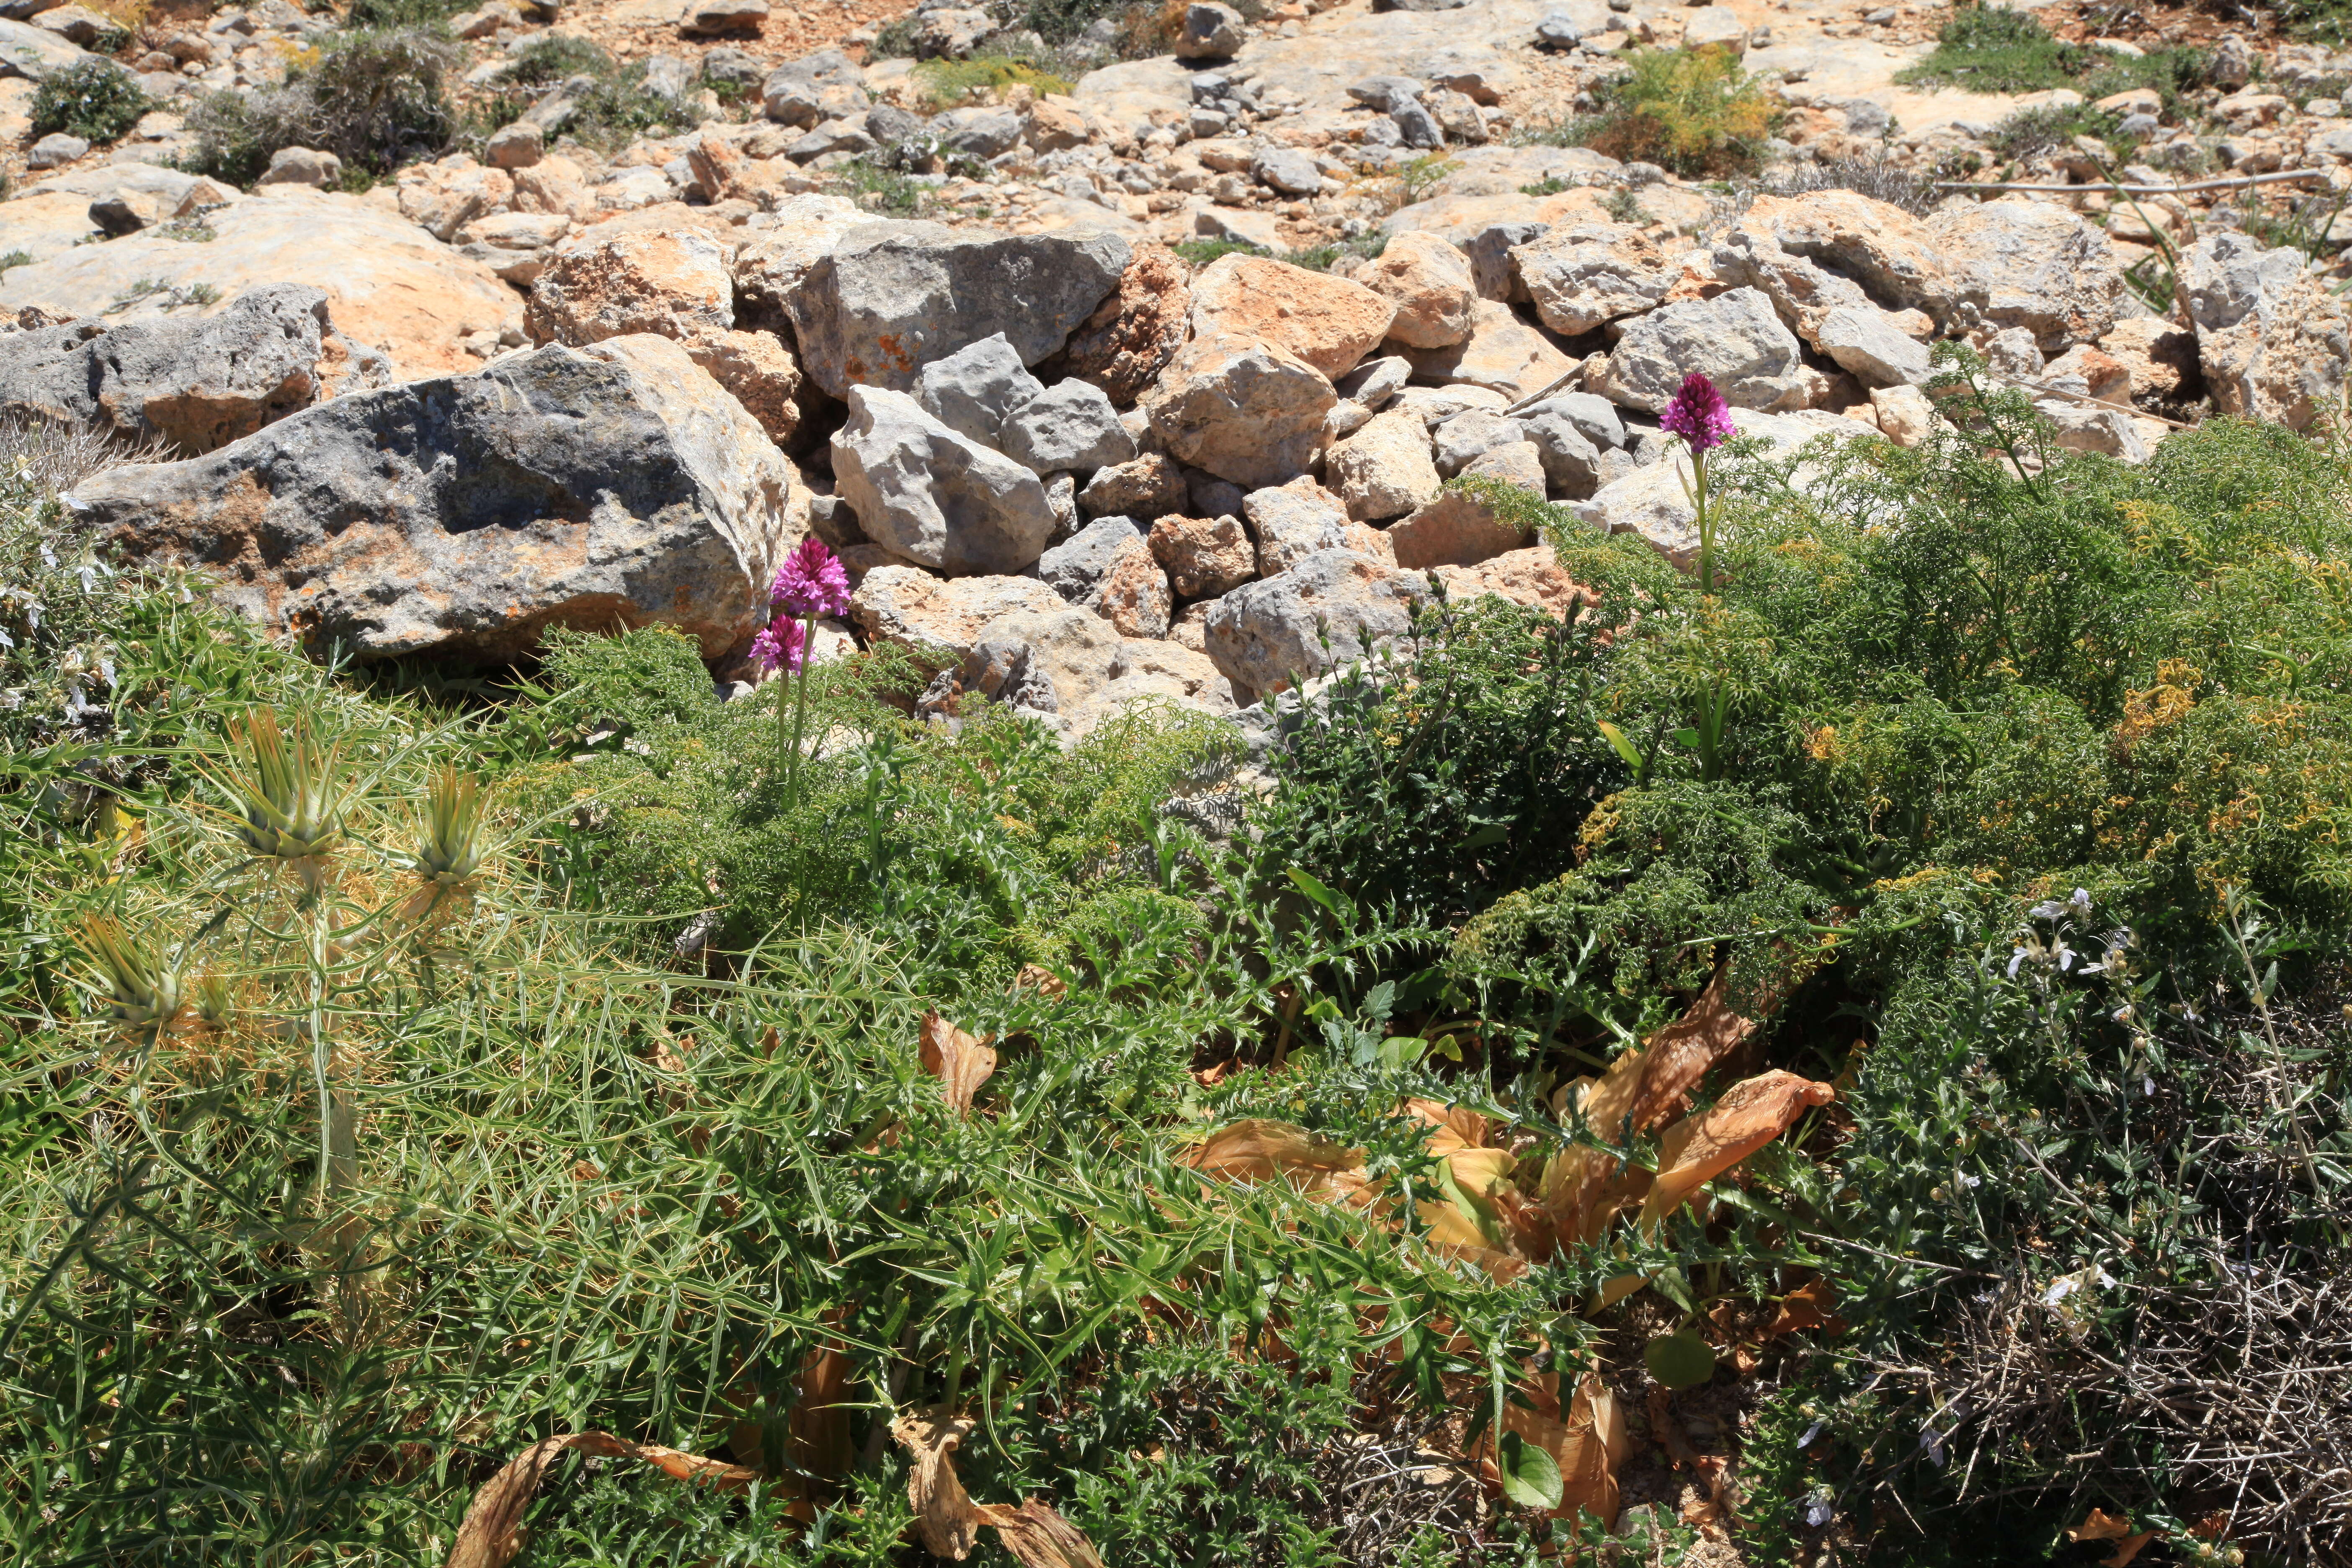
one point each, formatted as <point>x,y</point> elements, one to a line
<point>142,984</point>
<point>287,803</point>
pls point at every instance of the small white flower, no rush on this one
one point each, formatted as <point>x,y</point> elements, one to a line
<point>2014,959</point>
<point>2082,901</point>
<point>1811,1432</point>
<point>2050,910</point>
<point>1818,1509</point>
<point>2147,1086</point>
<point>1972,1183</point>
<point>2059,1290</point>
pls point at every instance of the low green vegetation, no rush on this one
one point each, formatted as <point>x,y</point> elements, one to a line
<point>403,1069</point>
<point>1993,48</point>
<point>376,99</point>
<point>96,100</point>
<point>1688,111</point>
<point>946,83</point>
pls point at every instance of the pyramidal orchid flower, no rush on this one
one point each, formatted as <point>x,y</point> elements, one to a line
<point>779,645</point>
<point>810,582</point>
<point>1700,415</point>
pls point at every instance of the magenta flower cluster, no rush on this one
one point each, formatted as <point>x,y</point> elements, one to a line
<point>1698,414</point>
<point>811,583</point>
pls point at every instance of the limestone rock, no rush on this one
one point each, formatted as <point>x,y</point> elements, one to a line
<point>769,268</point>
<point>1903,413</point>
<point>1384,470</point>
<point>1519,464</point>
<point>1531,577</point>
<point>826,85</point>
<point>933,496</point>
<point>936,619</point>
<point>36,53</point>
<point>974,389</point>
<point>1294,521</point>
<point>1068,428</point>
<point>1430,284</point>
<point>302,166</point>
<point>2272,340</point>
<point>441,198</point>
<point>198,384</point>
<point>1571,459</point>
<point>1146,488</point>
<point>678,285</point>
<point>1079,566</point>
<point>1245,411</point>
<point>2027,264</point>
<point>1072,671</point>
<point>1136,598</point>
<point>1865,342</point>
<point>1123,346</point>
<point>1459,527</point>
<point>1650,500</point>
<point>1593,416</point>
<point>1206,556</point>
<point>2158,355</point>
<point>1875,244</point>
<point>1736,338</point>
<point>463,515</point>
<point>1267,634</point>
<point>1459,440</point>
<point>388,285</point>
<point>1503,355</point>
<point>1329,322</point>
<point>1212,32</point>
<point>759,371</point>
<point>1583,276</point>
<point>888,298</point>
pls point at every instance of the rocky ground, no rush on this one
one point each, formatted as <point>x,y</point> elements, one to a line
<point>1068,465</point>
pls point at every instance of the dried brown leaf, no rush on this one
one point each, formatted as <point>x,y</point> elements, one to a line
<point>960,1062</point>
<point>2104,1526</point>
<point>1039,978</point>
<point>945,1521</point>
<point>1040,1538</point>
<point>1589,1442</point>
<point>1751,1113</point>
<point>1262,1150</point>
<point>491,1532</point>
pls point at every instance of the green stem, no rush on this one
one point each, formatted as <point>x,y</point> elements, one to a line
<point>1705,524</point>
<point>800,714</point>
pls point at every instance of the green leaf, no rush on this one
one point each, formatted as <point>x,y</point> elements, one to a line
<point>1530,1476</point>
<point>1680,1360</point>
<point>1494,834</point>
<point>1617,738</point>
<point>1340,908</point>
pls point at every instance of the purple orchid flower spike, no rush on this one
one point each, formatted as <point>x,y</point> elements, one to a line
<point>779,645</point>
<point>1700,415</point>
<point>810,582</point>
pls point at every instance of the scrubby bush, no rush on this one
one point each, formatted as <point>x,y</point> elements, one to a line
<point>1993,48</point>
<point>96,100</point>
<point>1691,111</point>
<point>1209,1137</point>
<point>376,99</point>
<point>946,83</point>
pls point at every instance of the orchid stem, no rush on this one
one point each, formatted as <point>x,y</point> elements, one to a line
<point>800,714</point>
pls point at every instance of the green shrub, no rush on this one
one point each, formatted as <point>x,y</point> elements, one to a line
<point>556,57</point>
<point>946,83</point>
<point>1992,48</point>
<point>1693,112</point>
<point>96,100</point>
<point>375,100</point>
<point>380,15</point>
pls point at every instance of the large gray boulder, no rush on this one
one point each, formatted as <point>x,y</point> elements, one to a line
<point>1070,428</point>
<point>2027,264</point>
<point>1244,410</point>
<point>1736,338</point>
<point>197,383</point>
<point>36,53</point>
<point>971,390</point>
<point>1077,568</point>
<point>2272,339</point>
<point>615,485</point>
<point>933,496</point>
<point>1330,609</point>
<point>826,85</point>
<point>889,298</point>
<point>1583,276</point>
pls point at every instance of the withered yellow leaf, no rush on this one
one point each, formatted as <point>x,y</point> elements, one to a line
<point>491,1532</point>
<point>1751,1113</point>
<point>960,1062</point>
<point>945,1521</point>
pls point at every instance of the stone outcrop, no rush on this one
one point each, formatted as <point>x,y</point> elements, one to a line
<point>197,383</point>
<point>461,516</point>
